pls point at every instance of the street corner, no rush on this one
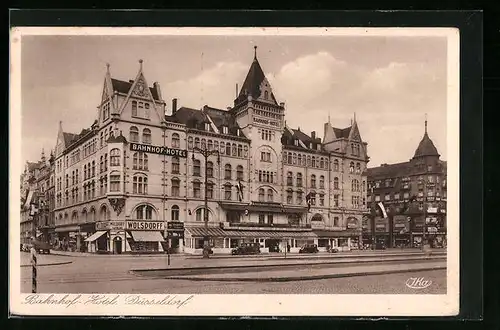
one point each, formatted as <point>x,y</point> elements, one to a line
<point>45,260</point>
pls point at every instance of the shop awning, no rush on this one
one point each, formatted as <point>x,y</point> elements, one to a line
<point>147,236</point>
<point>95,236</point>
<point>333,234</point>
<point>219,232</point>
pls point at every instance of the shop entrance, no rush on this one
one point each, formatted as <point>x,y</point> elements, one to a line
<point>117,245</point>
<point>273,245</point>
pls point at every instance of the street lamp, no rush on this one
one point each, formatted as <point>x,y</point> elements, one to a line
<point>206,153</point>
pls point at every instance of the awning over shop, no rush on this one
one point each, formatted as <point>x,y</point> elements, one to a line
<point>333,234</point>
<point>219,232</point>
<point>147,236</point>
<point>95,236</point>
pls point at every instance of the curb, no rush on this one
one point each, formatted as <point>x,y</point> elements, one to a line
<point>241,268</point>
<point>116,256</point>
<point>53,264</point>
<point>302,278</point>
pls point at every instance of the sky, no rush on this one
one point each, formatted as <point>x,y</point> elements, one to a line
<point>388,83</point>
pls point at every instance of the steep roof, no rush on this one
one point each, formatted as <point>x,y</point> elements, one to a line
<point>290,135</point>
<point>426,147</point>
<point>342,132</point>
<point>253,81</point>
<point>69,137</point>
<point>389,170</point>
<point>121,86</point>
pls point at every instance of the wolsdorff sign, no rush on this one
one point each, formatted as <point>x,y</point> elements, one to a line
<point>161,150</point>
<point>145,225</point>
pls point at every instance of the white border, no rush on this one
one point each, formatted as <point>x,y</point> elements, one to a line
<point>240,305</point>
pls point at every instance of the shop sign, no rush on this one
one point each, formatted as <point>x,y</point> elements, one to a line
<point>145,225</point>
<point>160,150</point>
<point>432,229</point>
<point>317,224</point>
<point>432,210</point>
<point>110,225</point>
<point>352,223</point>
<point>175,226</point>
<point>175,234</point>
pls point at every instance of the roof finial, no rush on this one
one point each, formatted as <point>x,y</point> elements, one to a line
<point>255,52</point>
<point>329,122</point>
<point>140,63</point>
<point>107,67</point>
<point>426,123</point>
<point>354,116</point>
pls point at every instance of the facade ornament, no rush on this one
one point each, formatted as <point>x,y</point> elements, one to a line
<point>117,204</point>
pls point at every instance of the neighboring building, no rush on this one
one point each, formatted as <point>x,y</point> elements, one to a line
<point>119,183</point>
<point>410,192</point>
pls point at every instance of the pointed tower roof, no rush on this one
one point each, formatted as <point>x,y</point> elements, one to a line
<point>426,146</point>
<point>253,82</point>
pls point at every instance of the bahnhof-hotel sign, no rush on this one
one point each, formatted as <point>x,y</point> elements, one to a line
<point>160,150</point>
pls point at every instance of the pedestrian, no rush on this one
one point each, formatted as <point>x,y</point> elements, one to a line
<point>288,248</point>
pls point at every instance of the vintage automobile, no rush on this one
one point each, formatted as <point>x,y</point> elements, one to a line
<point>41,247</point>
<point>247,248</point>
<point>309,248</point>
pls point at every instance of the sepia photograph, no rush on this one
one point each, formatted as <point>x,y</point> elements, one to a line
<point>234,171</point>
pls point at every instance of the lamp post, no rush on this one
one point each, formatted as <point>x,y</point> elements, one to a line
<point>206,153</point>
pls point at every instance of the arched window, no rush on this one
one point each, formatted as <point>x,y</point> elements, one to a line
<point>289,179</point>
<point>351,167</point>
<point>145,212</point>
<point>313,164</point>
<point>364,186</point>
<point>190,142</point>
<point>92,214</point>
<point>104,213</point>
<point>245,148</point>
<point>216,145</point>
<point>85,177</point>
<point>174,213</point>
<point>336,165</point>
<point>321,163</point>
<point>358,168</point>
<point>210,190</point>
<point>227,172</point>
<point>200,214</point>
<point>114,157</point>
<point>196,167</point>
<point>176,183</point>
<point>210,145</point>
<point>235,150</point>
<point>134,108</point>
<point>196,142</point>
<point>140,161</point>
<point>266,95</point>
<point>289,158</point>
<point>93,170</point>
<point>294,159</point>
<point>134,134</point>
<point>313,181</point>
<point>227,192</point>
<point>322,182</point>
<point>196,189</point>
<point>228,149</point>
<point>352,149</point>
<point>299,179</point>
<point>336,221</point>
<point>270,195</point>
<point>308,160</point>
<point>299,159</point>
<point>210,169</point>
<point>240,150</point>
<point>175,165</point>
<point>261,195</point>
<point>140,184</point>
<point>239,173</point>
<point>222,148</point>
<point>335,183</point>
<point>146,136</point>
<point>176,142</point>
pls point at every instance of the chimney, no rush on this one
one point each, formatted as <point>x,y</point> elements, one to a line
<point>313,135</point>
<point>156,86</point>
<point>174,106</point>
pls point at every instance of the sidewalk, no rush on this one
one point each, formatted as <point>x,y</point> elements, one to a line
<point>42,260</point>
<point>87,254</point>
<point>316,274</point>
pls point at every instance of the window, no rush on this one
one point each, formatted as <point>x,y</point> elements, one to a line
<point>196,167</point>
<point>134,108</point>
<point>225,130</point>
<point>299,179</point>
<point>210,169</point>
<point>175,165</point>
<point>190,142</point>
<point>266,95</point>
<point>196,189</point>
<point>203,144</point>
<point>227,192</point>
<point>336,165</point>
<point>270,219</point>
<point>239,173</point>
<point>134,134</point>
<point>146,111</point>
<point>313,198</point>
<point>335,183</point>
<point>289,196</point>
<point>262,219</point>
<point>174,213</point>
<point>176,142</point>
<point>227,172</point>
<point>93,169</point>
<point>245,154</point>
<point>207,127</point>
<point>322,182</point>
<point>336,221</point>
<point>351,167</point>
<point>197,142</point>
<point>270,195</point>
<point>336,200</point>
<point>114,182</point>
<point>364,186</point>
<point>240,150</point>
<point>76,177</point>
<point>309,161</point>
<point>321,163</point>
<point>114,157</point>
<point>140,161</point>
<point>289,179</point>
<point>176,187</point>
<point>145,212</point>
<point>358,168</point>
<point>299,161</point>
<point>299,197</point>
<point>140,184</point>
<point>265,156</point>
<point>430,179</point>
<point>235,150</point>
<point>289,158</point>
<point>261,195</point>
<point>387,197</point>
<point>313,181</point>
<point>228,149</point>
<point>199,215</point>
<point>146,136</point>
<point>222,148</point>
<point>377,198</point>
<point>321,200</point>
<point>294,158</point>
<point>85,172</point>
<point>210,190</point>
<point>313,163</point>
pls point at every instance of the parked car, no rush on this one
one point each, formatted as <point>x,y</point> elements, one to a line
<point>380,246</point>
<point>42,247</point>
<point>309,248</point>
<point>333,250</point>
<point>247,248</point>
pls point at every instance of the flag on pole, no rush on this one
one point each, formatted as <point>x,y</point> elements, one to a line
<point>308,201</point>
<point>382,208</point>
<point>239,186</point>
